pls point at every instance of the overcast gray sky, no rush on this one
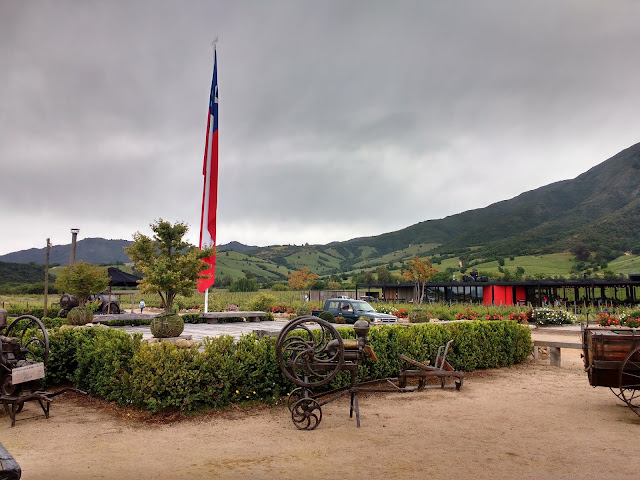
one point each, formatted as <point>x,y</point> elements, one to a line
<point>338,119</point>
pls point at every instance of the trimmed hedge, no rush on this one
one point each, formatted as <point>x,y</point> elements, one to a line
<point>115,365</point>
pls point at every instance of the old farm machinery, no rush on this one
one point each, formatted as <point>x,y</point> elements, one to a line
<point>24,349</point>
<point>311,353</point>
<point>612,359</point>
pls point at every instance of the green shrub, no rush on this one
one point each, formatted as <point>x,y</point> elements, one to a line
<point>103,359</point>
<point>303,310</point>
<point>193,318</point>
<point>263,302</point>
<point>131,322</point>
<point>80,316</point>
<point>419,315</point>
<point>222,371</point>
<point>51,323</point>
<point>328,316</point>
<point>269,317</point>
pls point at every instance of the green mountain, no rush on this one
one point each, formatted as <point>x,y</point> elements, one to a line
<point>600,208</point>
<point>598,211</point>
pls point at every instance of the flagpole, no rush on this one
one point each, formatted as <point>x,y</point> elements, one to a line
<point>206,293</point>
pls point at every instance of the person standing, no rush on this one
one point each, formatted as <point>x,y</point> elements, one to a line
<point>142,305</point>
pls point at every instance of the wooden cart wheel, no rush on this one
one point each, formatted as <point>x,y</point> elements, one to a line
<point>630,380</point>
<point>617,393</point>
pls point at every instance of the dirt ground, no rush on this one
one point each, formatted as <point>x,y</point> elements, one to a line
<point>532,421</point>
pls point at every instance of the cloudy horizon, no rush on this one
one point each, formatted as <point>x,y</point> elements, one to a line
<point>337,119</point>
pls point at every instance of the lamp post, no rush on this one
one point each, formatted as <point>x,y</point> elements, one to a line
<point>74,235</point>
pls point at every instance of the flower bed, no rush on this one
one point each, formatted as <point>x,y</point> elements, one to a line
<point>549,316</point>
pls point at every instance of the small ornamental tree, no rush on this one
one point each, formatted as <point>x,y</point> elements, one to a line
<point>169,265</point>
<point>302,279</point>
<point>82,279</point>
<point>419,272</point>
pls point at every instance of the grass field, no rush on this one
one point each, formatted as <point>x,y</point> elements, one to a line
<point>552,264</point>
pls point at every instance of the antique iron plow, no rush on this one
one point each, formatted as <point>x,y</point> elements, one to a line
<point>311,352</point>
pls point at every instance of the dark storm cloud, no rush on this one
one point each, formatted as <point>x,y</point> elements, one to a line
<point>414,110</point>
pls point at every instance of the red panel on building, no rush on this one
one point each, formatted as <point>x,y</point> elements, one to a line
<point>487,294</point>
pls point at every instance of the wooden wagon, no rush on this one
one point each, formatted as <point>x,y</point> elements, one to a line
<point>612,359</point>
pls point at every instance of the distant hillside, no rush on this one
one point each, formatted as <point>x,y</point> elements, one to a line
<point>235,247</point>
<point>22,273</point>
<point>599,210</point>
<point>93,250</point>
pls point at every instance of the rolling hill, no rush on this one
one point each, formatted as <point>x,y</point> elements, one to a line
<point>598,210</point>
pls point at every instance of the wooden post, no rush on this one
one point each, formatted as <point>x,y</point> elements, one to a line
<point>46,279</point>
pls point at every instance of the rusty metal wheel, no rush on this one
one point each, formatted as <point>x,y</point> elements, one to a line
<point>33,337</point>
<point>298,394</point>
<point>618,393</point>
<point>7,387</point>
<point>310,351</point>
<point>306,414</point>
<point>630,380</point>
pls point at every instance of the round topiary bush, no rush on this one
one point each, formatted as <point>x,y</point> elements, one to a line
<point>328,316</point>
<point>80,316</point>
<point>303,310</point>
<point>167,325</point>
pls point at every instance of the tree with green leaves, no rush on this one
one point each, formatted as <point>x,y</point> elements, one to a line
<point>420,272</point>
<point>384,275</point>
<point>169,265</point>
<point>82,279</point>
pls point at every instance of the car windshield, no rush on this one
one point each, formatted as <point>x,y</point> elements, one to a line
<point>361,306</point>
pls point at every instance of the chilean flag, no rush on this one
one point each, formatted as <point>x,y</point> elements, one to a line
<point>210,191</point>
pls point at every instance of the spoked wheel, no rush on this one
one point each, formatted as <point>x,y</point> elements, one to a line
<point>296,395</point>
<point>630,381</point>
<point>7,387</point>
<point>33,337</point>
<point>310,351</point>
<point>306,414</point>
<point>618,393</point>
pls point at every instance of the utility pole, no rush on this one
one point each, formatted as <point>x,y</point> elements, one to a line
<point>74,235</point>
<point>46,279</point>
